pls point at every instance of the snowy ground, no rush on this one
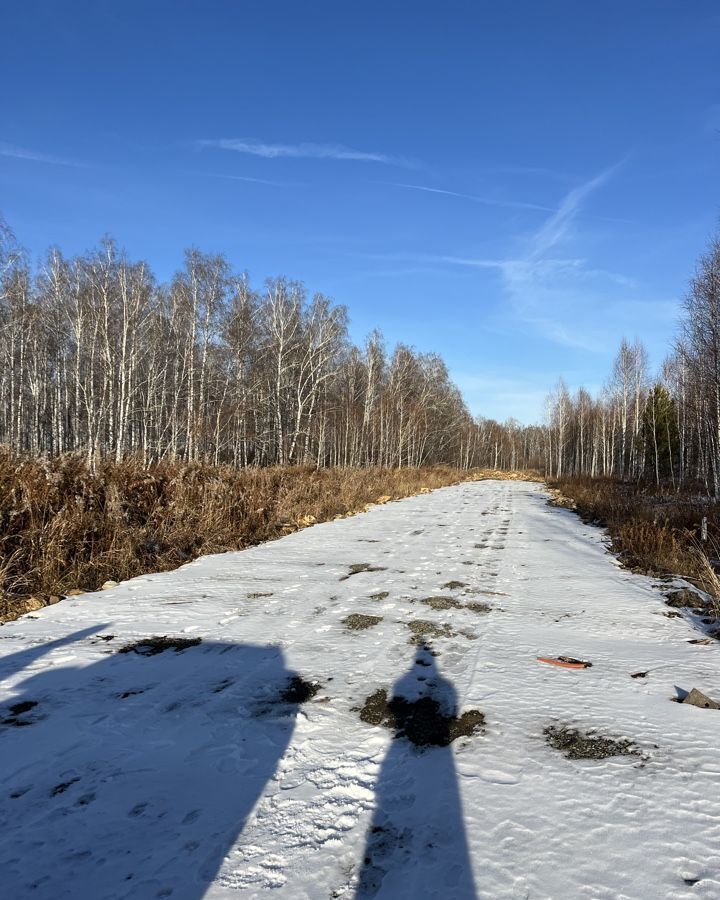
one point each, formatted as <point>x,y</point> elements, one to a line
<point>184,775</point>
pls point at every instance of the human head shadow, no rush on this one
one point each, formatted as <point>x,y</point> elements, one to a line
<point>134,776</point>
<point>416,841</point>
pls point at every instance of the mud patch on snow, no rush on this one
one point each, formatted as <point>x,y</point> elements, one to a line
<point>357,568</point>
<point>63,786</point>
<point>574,744</point>
<point>132,693</point>
<point>684,598</point>
<point>18,717</point>
<point>159,644</point>
<point>298,690</point>
<point>478,607</point>
<point>360,622</point>
<point>454,585</point>
<point>422,721</point>
<point>442,603</point>
<point>422,629</point>
<point>381,595</point>
<point>258,595</point>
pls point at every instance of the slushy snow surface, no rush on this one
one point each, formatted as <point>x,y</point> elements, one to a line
<point>185,774</point>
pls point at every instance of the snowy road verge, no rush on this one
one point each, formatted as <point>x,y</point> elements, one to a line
<point>208,771</point>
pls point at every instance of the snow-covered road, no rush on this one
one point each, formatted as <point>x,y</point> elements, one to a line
<point>188,774</point>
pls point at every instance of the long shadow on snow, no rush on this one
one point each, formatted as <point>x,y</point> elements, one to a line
<point>133,777</point>
<point>416,844</point>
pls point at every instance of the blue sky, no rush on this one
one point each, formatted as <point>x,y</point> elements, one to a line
<point>514,185</point>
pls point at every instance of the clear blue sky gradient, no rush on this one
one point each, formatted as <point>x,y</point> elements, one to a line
<point>514,185</point>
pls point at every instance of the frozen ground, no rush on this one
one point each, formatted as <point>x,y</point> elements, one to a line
<point>185,774</point>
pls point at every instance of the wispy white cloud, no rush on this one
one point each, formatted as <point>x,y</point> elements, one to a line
<point>560,215</point>
<point>525,170</point>
<point>244,178</point>
<point>549,292</point>
<point>14,152</point>
<point>558,226</point>
<point>489,201</point>
<point>303,150</point>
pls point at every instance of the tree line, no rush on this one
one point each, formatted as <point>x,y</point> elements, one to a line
<point>662,427</point>
<point>97,356</point>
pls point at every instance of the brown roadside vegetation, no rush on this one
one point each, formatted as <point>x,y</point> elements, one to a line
<point>652,532</point>
<point>66,527</point>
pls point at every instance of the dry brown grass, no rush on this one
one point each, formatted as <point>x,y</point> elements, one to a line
<point>654,533</point>
<point>510,475</point>
<point>64,527</point>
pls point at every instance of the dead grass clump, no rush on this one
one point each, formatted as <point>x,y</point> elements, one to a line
<point>65,526</point>
<point>655,549</point>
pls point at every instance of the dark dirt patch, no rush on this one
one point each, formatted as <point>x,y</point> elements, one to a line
<point>683,598</point>
<point>573,744</point>
<point>639,674</point>
<point>359,621</point>
<point>126,694</point>
<point>381,595</point>
<point>62,787</point>
<point>159,644</point>
<point>421,721</point>
<point>19,792</point>
<point>422,629</point>
<point>258,594</point>
<point>478,607</point>
<point>454,585</point>
<point>298,690</point>
<point>17,711</point>
<point>441,603</point>
<point>357,568</point>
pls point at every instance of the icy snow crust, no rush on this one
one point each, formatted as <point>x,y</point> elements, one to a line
<point>183,775</point>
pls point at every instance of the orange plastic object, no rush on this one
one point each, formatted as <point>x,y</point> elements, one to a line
<point>563,665</point>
